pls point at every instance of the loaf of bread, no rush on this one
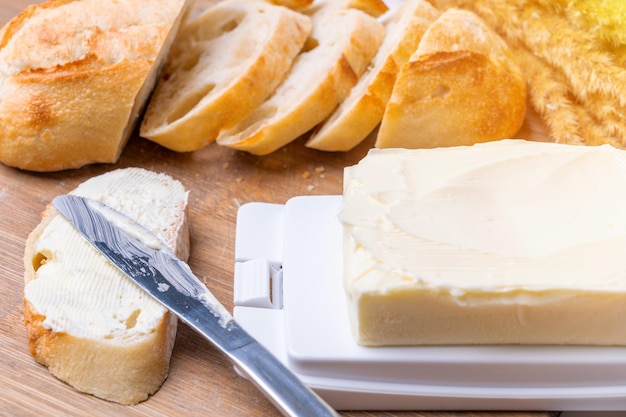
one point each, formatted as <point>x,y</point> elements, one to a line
<point>340,48</point>
<point>359,114</point>
<point>223,65</point>
<point>461,86</point>
<point>75,75</point>
<point>87,322</point>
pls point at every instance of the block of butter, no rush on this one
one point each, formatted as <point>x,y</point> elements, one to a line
<point>508,242</point>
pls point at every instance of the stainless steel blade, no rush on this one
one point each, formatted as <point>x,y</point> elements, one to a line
<point>154,267</point>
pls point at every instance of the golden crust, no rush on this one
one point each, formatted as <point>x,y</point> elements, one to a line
<point>576,75</point>
<point>123,373</point>
<point>451,96</point>
<point>120,373</point>
<point>70,97</point>
<point>55,120</point>
<point>293,4</point>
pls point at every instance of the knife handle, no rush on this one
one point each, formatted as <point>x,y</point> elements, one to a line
<point>279,384</point>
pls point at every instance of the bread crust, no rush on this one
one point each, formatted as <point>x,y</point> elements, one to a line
<point>293,4</point>
<point>456,89</point>
<point>119,373</point>
<point>35,127</point>
<point>199,95</point>
<point>71,85</point>
<point>125,372</point>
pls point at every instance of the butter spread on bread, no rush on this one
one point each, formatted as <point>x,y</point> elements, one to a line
<point>221,67</point>
<point>360,113</point>
<point>74,76</point>
<point>340,48</point>
<point>461,86</point>
<point>504,242</point>
<point>86,321</point>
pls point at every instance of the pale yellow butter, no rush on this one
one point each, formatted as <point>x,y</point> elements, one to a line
<point>505,242</point>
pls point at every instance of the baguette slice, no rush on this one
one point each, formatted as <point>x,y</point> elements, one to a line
<point>222,66</point>
<point>86,321</point>
<point>462,86</point>
<point>360,113</point>
<point>75,75</point>
<point>340,48</point>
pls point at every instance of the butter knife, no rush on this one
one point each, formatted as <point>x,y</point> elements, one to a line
<point>154,267</point>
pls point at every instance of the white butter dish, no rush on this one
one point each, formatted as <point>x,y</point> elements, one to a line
<point>289,295</point>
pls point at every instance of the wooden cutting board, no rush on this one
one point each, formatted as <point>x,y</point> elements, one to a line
<point>201,381</point>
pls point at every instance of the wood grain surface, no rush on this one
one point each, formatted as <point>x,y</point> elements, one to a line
<point>201,381</point>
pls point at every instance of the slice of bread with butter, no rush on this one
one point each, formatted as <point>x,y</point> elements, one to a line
<point>92,326</point>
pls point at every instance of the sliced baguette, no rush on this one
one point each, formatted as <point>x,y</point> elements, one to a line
<point>75,75</point>
<point>88,323</point>
<point>222,66</point>
<point>340,48</point>
<point>360,113</point>
<point>461,86</point>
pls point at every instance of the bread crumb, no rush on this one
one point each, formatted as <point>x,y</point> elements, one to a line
<point>310,187</point>
<point>225,165</point>
<point>239,180</point>
<point>306,175</point>
<point>320,170</point>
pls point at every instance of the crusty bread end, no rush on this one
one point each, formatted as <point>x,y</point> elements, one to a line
<point>461,86</point>
<point>74,77</point>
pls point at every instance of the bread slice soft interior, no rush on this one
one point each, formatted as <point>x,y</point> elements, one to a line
<point>75,76</point>
<point>88,323</point>
<point>341,46</point>
<point>223,64</point>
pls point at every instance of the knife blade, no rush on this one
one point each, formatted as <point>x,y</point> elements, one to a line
<point>153,266</point>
